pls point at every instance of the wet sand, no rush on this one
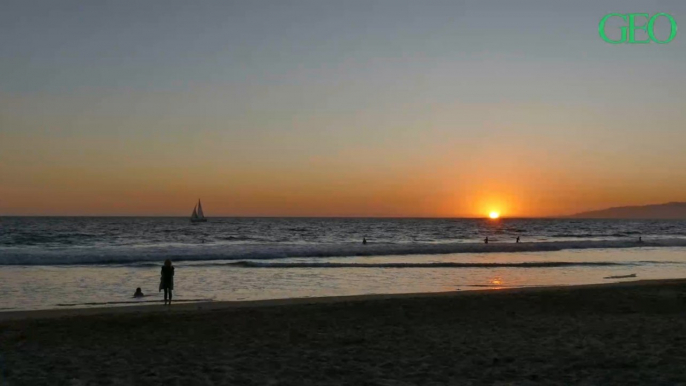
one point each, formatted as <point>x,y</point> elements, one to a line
<point>618,334</point>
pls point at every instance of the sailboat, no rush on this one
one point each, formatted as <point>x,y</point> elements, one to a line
<point>197,215</point>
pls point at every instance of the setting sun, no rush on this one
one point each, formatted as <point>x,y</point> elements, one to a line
<point>494,215</point>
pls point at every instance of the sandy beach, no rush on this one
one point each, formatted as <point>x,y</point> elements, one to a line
<point>616,334</point>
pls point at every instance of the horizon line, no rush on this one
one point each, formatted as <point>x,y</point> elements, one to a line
<point>289,216</point>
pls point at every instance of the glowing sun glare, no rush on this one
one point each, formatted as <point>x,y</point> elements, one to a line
<point>494,215</point>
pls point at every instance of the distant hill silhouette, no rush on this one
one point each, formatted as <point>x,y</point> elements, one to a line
<point>671,210</point>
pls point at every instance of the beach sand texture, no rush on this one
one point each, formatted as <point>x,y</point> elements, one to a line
<point>617,334</point>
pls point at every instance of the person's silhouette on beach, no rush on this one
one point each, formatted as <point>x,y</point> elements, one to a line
<point>139,293</point>
<point>486,240</point>
<point>167,280</point>
<point>640,239</point>
<point>517,240</point>
<point>364,240</point>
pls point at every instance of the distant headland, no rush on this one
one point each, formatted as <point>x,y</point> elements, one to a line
<point>671,210</point>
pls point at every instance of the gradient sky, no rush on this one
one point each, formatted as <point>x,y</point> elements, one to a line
<point>336,108</point>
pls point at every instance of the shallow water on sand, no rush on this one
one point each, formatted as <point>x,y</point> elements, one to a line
<point>43,287</point>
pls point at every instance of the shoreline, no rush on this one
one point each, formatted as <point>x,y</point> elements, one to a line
<point>208,306</point>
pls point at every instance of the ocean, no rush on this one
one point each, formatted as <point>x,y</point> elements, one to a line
<point>56,262</point>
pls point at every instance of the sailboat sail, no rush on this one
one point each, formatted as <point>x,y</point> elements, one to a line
<point>200,214</point>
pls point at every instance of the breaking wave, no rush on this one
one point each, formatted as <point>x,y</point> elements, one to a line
<point>547,264</point>
<point>130,254</point>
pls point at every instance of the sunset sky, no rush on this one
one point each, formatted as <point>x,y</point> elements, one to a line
<point>336,108</point>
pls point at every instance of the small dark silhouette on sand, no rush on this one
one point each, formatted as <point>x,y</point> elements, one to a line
<point>139,293</point>
<point>620,276</point>
<point>167,280</point>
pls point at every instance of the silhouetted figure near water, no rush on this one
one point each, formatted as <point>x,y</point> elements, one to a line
<point>364,240</point>
<point>517,240</point>
<point>640,239</point>
<point>167,280</point>
<point>486,240</point>
<point>139,293</point>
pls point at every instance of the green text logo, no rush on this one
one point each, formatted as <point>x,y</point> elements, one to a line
<point>629,31</point>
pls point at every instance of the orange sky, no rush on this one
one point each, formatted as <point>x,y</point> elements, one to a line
<point>443,180</point>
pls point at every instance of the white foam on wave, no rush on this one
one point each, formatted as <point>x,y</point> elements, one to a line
<point>541,264</point>
<point>184,252</point>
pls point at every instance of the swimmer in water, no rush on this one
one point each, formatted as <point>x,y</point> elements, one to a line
<point>139,293</point>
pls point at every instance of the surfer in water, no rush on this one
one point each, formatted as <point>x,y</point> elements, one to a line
<point>139,293</point>
<point>486,240</point>
<point>167,280</point>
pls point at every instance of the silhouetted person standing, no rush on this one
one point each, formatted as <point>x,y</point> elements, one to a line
<point>486,240</point>
<point>167,280</point>
<point>517,239</point>
<point>640,239</point>
<point>364,240</point>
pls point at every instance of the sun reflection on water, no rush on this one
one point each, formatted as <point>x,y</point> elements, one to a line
<point>497,283</point>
